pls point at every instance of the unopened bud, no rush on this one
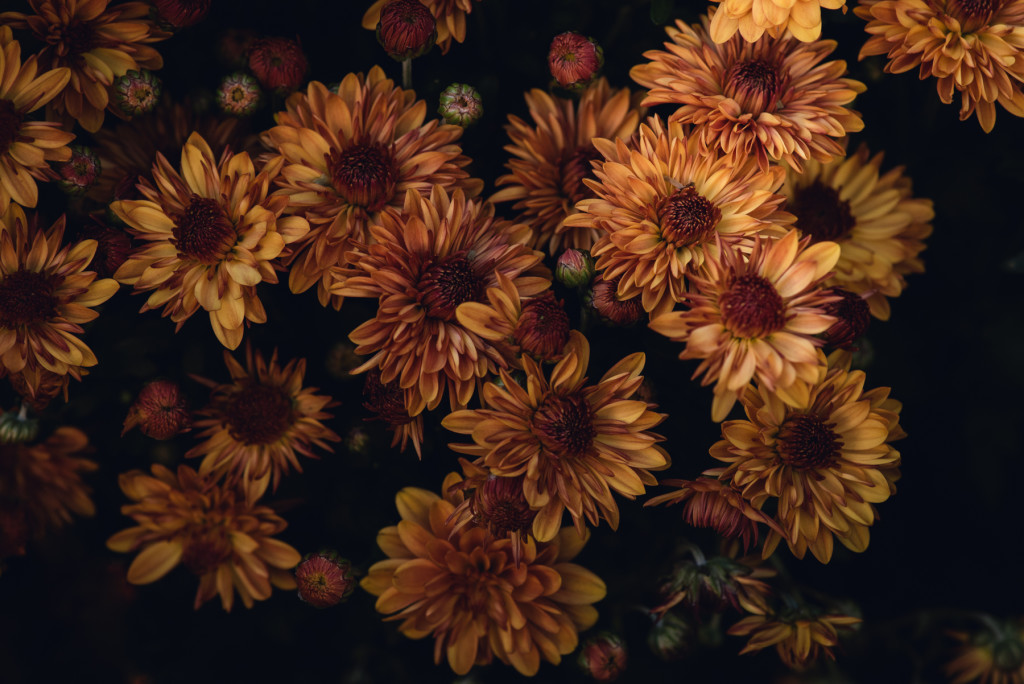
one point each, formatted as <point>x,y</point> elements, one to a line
<point>324,579</point>
<point>137,92</point>
<point>603,298</point>
<point>160,411</point>
<point>671,637</point>
<point>460,104</point>
<point>239,94</point>
<point>575,268</point>
<point>603,657</point>
<point>406,29</point>
<point>853,316</point>
<point>18,427</point>
<point>278,63</point>
<point>574,60</point>
<point>79,173</point>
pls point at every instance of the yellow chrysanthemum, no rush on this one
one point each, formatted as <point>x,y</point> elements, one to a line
<point>754,18</point>
<point>798,639</point>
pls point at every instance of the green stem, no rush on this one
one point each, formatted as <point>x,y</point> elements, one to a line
<point>407,74</point>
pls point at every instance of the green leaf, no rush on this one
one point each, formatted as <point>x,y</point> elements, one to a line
<point>662,10</point>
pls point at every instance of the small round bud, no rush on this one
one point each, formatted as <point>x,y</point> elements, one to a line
<point>18,427</point>
<point>239,94</point>
<point>357,441</point>
<point>853,316</point>
<point>671,637</point>
<point>113,245</point>
<point>575,268</point>
<point>137,92</point>
<point>603,298</point>
<point>603,657</point>
<point>460,104</point>
<point>406,29</point>
<point>160,411</point>
<point>543,327</point>
<point>574,60</point>
<point>324,579</point>
<point>177,14</point>
<point>79,173</point>
<point>278,63</point>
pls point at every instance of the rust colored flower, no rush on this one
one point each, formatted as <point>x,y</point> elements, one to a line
<point>37,388</point>
<point>98,42</point>
<point>799,639</point>
<point>603,657</point>
<point>754,18</point>
<point>662,206</point>
<point>78,174</point>
<point>421,265</point>
<point>496,504</point>
<point>112,245</point>
<point>826,462</point>
<point>574,443</point>
<point>604,299</point>
<point>461,586</point>
<point>574,60</point>
<point>324,579</point>
<point>879,227</point>
<point>449,16</point>
<point>178,14</point>
<point>773,99</point>
<point>278,63</point>
<point>160,410</point>
<point>210,234</point>
<point>973,48</point>
<point>756,315</point>
<point>26,145</point>
<point>189,520</point>
<point>256,426</point>
<point>407,29</point>
<point>351,156</point>
<point>991,656</point>
<point>551,157</point>
<point>387,401</point>
<point>46,294</point>
<point>852,313</point>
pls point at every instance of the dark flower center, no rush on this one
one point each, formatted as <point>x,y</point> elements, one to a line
<point>687,217</point>
<point>10,124</point>
<point>974,14</point>
<point>605,300</point>
<point>752,307</point>
<point>364,175</point>
<point>259,414</point>
<point>448,282</point>
<point>26,297</point>
<point>820,213</point>
<point>573,168</point>
<point>501,506</point>
<point>755,84</point>
<point>386,400</point>
<point>853,316</point>
<point>564,425</point>
<point>806,441</point>
<point>76,38</point>
<point>543,327</point>
<point>203,231</point>
<point>204,554</point>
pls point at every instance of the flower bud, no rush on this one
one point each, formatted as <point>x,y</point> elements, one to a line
<point>406,29</point>
<point>574,60</point>
<point>603,298</point>
<point>324,579</point>
<point>176,14</point>
<point>575,268</point>
<point>113,245</point>
<point>357,441</point>
<point>460,104</point>
<point>137,92</point>
<point>160,411</point>
<point>79,173</point>
<point>278,63</point>
<point>671,636</point>
<point>239,94</point>
<point>543,327</point>
<point>603,657</point>
<point>18,427</point>
<point>853,316</point>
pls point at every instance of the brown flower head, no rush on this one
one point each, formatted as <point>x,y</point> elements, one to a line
<point>449,17</point>
<point>160,411</point>
<point>278,63</point>
<point>574,60</point>
<point>604,299</point>
<point>852,314</point>
<point>406,29</point>
<point>603,657</point>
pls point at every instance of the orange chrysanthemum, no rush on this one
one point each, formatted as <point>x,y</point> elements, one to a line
<point>421,265</point>
<point>971,47</point>
<point>662,205</point>
<point>212,233</point>
<point>256,425</point>
<point>45,296</point>
<point>574,443</point>
<point>879,227</point>
<point>387,401</point>
<point>552,156</point>
<point>450,16</point>
<point>773,99</point>
<point>228,543</point>
<point>462,586</point>
<point>826,462</point>
<point>798,639</point>
<point>97,43</point>
<point>754,18</point>
<point>26,146</point>
<point>756,316</point>
<point>351,156</point>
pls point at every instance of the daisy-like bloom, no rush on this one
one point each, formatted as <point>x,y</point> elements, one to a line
<point>449,15</point>
<point>879,227</point>
<point>211,234</point>
<point>256,425</point>
<point>324,579</point>
<point>184,518</point>
<point>773,99</point>
<point>46,294</point>
<point>421,265</point>
<point>993,656</point>
<point>756,316</point>
<point>97,43</point>
<point>754,18</point>
<point>972,47</point>
<point>574,443</point>
<point>799,639</point>
<point>826,463</point>
<point>387,401</point>
<point>551,156</point>
<point>462,586</point>
<point>26,146</point>
<point>351,156</point>
<point>662,205</point>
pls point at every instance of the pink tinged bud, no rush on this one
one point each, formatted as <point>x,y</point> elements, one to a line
<point>176,14</point>
<point>278,63</point>
<point>324,579</point>
<point>79,173</point>
<point>574,60</point>
<point>575,268</point>
<point>137,92</point>
<point>406,29</point>
<point>239,94</point>
<point>160,411</point>
<point>460,104</point>
<point>603,657</point>
<point>605,301</point>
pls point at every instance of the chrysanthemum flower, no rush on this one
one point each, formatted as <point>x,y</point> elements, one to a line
<point>756,316</point>
<point>26,146</point>
<point>256,425</point>
<point>825,462</point>
<point>575,443</point>
<point>603,298</point>
<point>324,579</point>
<point>450,16</point>
<point>160,411</point>
<point>462,587</point>
<point>799,639</point>
<point>97,43</point>
<point>421,265</point>
<point>228,543</point>
<point>551,156</point>
<point>45,296</point>
<point>717,583</point>
<point>970,47</point>
<point>387,401</point>
<point>991,656</point>
<point>278,63</point>
<point>877,224</point>
<point>211,235</point>
<point>753,18</point>
<point>774,99</point>
<point>662,206</point>
<point>349,157</point>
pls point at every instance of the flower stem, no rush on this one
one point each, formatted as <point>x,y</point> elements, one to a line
<point>407,74</point>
